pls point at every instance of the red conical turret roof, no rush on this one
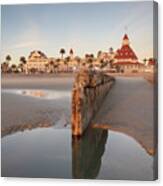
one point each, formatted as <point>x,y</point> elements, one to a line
<point>125,37</point>
<point>125,52</point>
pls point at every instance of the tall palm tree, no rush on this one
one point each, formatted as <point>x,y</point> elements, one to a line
<point>62,52</point>
<point>8,58</point>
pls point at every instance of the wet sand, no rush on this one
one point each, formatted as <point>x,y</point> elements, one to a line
<point>24,112</point>
<point>129,108</point>
<point>40,81</point>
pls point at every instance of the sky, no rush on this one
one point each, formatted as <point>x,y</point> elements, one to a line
<point>85,27</point>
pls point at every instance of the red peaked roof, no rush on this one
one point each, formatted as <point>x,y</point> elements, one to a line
<point>125,37</point>
<point>125,52</point>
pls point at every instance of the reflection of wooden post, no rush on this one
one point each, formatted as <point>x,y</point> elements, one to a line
<point>88,92</point>
<point>87,153</point>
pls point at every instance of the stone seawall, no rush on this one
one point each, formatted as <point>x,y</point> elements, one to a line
<point>88,93</point>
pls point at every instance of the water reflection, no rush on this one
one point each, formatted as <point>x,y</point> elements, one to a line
<point>35,93</point>
<point>61,123</point>
<point>53,153</point>
<point>42,93</point>
<point>87,153</point>
<point>148,145</point>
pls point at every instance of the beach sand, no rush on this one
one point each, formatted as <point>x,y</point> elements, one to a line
<point>129,108</point>
<point>39,81</point>
<point>20,112</point>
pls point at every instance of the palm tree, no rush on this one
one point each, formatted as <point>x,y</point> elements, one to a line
<point>23,62</point>
<point>13,68</point>
<point>90,62</point>
<point>66,61</point>
<point>71,52</point>
<point>99,54</point>
<point>62,52</point>
<point>21,67</point>
<point>8,58</point>
<point>92,56</point>
<point>86,56</point>
<point>144,60</point>
<point>110,50</point>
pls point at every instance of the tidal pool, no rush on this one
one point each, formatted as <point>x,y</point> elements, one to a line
<point>53,153</point>
<point>40,93</point>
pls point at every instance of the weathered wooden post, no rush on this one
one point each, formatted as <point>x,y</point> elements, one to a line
<point>88,92</point>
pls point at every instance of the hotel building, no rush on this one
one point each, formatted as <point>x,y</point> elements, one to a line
<point>37,61</point>
<point>125,59</point>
